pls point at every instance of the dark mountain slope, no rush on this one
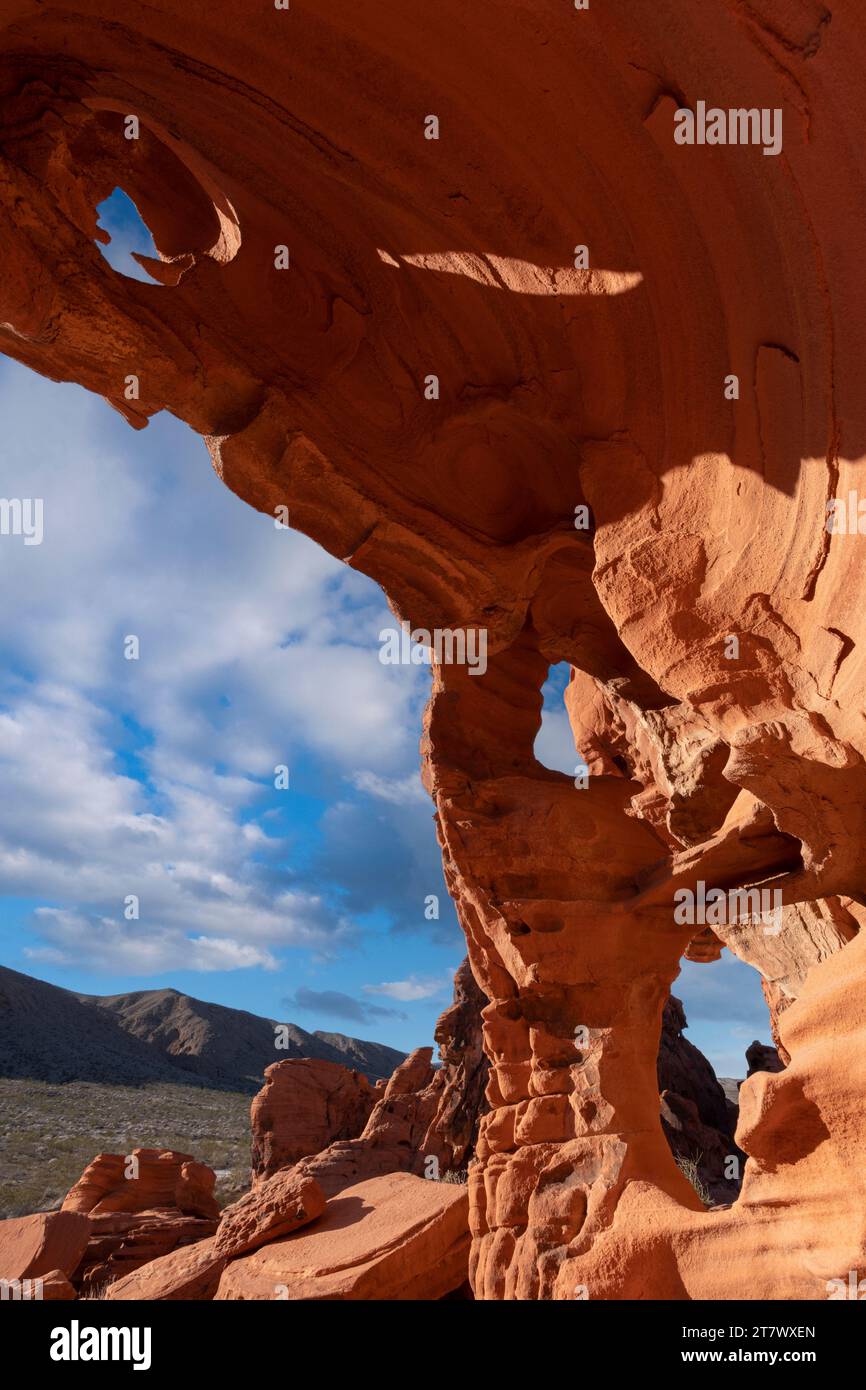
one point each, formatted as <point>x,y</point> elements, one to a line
<point>52,1034</point>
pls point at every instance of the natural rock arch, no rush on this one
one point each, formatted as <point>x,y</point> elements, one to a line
<point>559,387</point>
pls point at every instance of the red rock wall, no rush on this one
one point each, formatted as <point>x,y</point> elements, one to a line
<point>559,387</point>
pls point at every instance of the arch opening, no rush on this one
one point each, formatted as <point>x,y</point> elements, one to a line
<point>129,237</point>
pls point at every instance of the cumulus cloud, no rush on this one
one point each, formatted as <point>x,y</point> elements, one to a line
<point>554,742</point>
<point>151,776</point>
<point>74,829</point>
<point>135,950</point>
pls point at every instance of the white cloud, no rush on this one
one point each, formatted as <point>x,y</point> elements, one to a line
<point>256,648</point>
<point>132,950</point>
<point>400,791</point>
<point>407,991</point>
<point>76,831</point>
<point>554,742</point>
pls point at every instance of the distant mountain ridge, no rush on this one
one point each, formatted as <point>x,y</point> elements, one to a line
<point>52,1034</point>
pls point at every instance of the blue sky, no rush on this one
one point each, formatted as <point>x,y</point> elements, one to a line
<point>155,777</point>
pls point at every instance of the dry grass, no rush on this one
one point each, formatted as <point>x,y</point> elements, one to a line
<point>689,1168</point>
<point>456,1175</point>
<point>49,1133</point>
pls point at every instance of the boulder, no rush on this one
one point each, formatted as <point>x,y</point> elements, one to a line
<point>272,1209</point>
<point>762,1057</point>
<point>304,1105</point>
<point>122,1242</point>
<point>191,1272</point>
<point>38,1246</point>
<point>394,1237</point>
<point>140,1206</point>
<point>56,1288</point>
<point>144,1180</point>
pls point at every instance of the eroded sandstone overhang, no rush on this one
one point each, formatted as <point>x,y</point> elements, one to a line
<point>564,380</point>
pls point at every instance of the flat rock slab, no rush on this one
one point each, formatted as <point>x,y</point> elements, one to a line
<point>391,1237</point>
<point>192,1272</point>
<point>31,1246</point>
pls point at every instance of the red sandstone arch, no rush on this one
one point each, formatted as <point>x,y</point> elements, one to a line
<point>558,387</point>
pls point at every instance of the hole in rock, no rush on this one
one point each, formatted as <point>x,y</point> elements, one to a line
<point>119,216</point>
<point>725,1010</point>
<point>554,744</point>
<point>301,900</point>
<point>717,1012</point>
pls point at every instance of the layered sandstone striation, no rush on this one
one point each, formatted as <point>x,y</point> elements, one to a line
<point>423,1120</point>
<point>274,1209</point>
<point>144,1179</point>
<point>393,1139</point>
<point>694,381</point>
<point>140,1206</point>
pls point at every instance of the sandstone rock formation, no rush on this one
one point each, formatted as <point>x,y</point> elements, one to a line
<point>682,1068</point>
<point>461,1080</point>
<point>56,1288</point>
<point>392,1237</point>
<point>697,1118</point>
<point>394,1137</point>
<point>793,1229</point>
<point>140,1206</point>
<point>122,1242</point>
<point>42,1246</point>
<point>303,1106</point>
<point>274,1209</point>
<point>190,1273</point>
<point>557,377</point>
<point>345,1131</point>
<point>142,1180</point>
<point>760,1057</point>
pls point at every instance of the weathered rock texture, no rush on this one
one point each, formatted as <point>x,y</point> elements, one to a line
<point>734,765</point>
<point>190,1273</point>
<point>392,1237</point>
<point>165,1203</point>
<point>424,1120</point>
<point>123,1242</point>
<point>144,1179</point>
<point>271,1211</point>
<point>461,1080</point>
<point>275,1208</point>
<point>760,1057</point>
<point>395,1136</point>
<point>41,1245</point>
<point>697,1118</point>
<point>303,1106</point>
